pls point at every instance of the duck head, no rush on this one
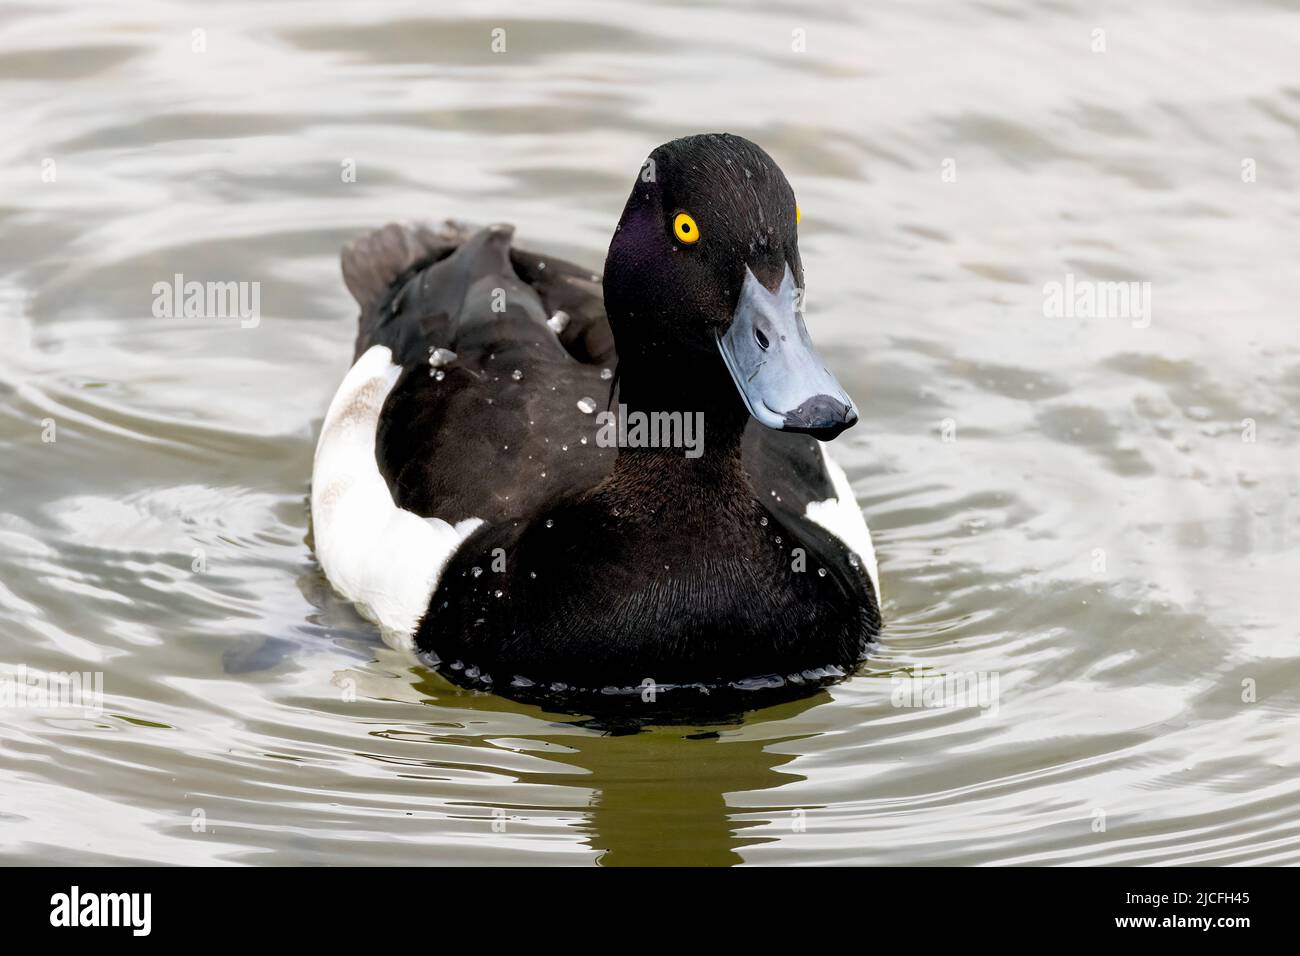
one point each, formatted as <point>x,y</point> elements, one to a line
<point>703,283</point>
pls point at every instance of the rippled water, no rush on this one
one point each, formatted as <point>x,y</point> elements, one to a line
<point>1070,506</point>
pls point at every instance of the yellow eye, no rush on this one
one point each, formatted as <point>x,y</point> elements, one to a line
<point>796,214</point>
<point>684,228</point>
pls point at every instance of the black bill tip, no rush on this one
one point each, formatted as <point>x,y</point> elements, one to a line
<point>822,416</point>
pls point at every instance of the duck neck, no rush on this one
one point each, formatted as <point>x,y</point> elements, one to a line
<point>687,455</point>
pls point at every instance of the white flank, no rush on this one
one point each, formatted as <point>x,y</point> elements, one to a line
<point>384,560</point>
<point>842,517</point>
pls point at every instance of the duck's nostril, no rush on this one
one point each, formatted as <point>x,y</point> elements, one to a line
<point>761,339</point>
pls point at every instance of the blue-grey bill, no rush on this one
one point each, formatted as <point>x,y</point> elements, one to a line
<point>780,376</point>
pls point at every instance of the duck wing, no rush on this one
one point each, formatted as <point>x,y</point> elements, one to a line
<point>577,293</point>
<point>379,268</point>
<point>413,458</point>
<point>499,427</point>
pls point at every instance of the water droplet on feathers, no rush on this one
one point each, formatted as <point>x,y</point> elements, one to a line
<point>439,357</point>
